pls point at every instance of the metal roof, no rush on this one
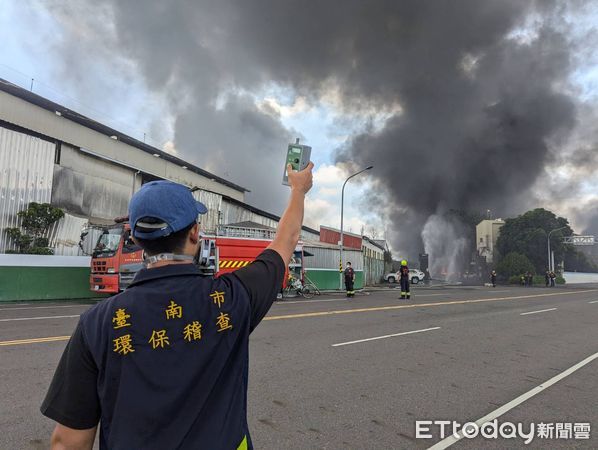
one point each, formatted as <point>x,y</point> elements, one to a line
<point>261,212</point>
<point>74,116</point>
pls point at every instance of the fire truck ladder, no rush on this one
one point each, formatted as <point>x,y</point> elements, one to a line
<point>246,232</point>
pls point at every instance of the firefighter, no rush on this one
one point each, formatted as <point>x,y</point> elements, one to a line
<point>404,275</point>
<point>349,280</point>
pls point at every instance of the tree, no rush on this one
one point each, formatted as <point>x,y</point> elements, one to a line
<point>36,220</point>
<point>578,261</point>
<point>527,234</point>
<point>514,264</point>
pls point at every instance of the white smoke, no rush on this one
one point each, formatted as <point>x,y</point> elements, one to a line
<point>444,246</point>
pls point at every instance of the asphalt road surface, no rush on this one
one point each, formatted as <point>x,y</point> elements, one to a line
<point>331,373</point>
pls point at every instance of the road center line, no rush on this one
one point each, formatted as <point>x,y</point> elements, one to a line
<point>385,336</point>
<point>42,307</point>
<point>421,305</point>
<point>595,301</point>
<point>516,402</point>
<point>39,318</point>
<point>284,302</point>
<point>35,340</point>
<point>536,312</point>
<point>350,311</point>
<point>426,295</point>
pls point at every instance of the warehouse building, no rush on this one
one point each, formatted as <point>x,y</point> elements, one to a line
<point>51,154</point>
<point>365,255</point>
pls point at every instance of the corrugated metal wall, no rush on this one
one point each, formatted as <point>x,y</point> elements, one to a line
<point>328,258</point>
<point>66,234</point>
<point>373,270</point>
<point>26,165</point>
<point>91,187</point>
<point>32,117</point>
<point>213,201</point>
<point>82,185</point>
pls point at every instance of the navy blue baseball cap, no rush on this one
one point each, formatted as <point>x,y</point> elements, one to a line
<point>164,207</point>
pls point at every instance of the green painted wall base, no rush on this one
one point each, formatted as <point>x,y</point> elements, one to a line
<point>329,279</point>
<point>44,283</point>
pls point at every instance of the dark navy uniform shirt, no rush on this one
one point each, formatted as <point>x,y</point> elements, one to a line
<point>349,274</point>
<point>404,272</point>
<point>164,364</point>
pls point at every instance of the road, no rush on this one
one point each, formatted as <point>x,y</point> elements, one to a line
<point>332,373</point>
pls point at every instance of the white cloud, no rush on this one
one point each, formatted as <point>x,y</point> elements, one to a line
<point>329,175</point>
<point>323,205</point>
<point>299,106</point>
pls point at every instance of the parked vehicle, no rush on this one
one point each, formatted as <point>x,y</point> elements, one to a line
<point>415,274</point>
<point>116,259</point>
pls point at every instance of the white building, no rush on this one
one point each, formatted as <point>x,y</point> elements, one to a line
<point>487,232</point>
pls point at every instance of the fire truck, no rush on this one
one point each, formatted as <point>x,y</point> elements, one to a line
<point>116,258</point>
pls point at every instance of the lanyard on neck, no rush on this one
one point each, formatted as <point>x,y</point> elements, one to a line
<point>166,257</point>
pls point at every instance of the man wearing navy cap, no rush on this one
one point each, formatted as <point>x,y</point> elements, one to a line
<point>164,364</point>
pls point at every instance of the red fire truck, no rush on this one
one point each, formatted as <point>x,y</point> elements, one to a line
<point>116,259</point>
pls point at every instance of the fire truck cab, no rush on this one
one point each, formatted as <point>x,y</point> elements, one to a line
<point>115,259</point>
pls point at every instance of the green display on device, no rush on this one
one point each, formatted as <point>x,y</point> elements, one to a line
<point>298,157</point>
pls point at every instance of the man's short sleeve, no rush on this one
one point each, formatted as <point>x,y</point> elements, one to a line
<point>263,281</point>
<point>72,398</point>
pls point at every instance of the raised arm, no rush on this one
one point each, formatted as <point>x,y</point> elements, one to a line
<point>289,227</point>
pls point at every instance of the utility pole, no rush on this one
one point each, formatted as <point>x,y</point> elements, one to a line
<point>340,243</point>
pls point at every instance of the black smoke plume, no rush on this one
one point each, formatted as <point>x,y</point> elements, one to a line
<point>475,89</point>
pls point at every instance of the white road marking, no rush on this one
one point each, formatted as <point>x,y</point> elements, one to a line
<point>427,295</point>
<point>42,307</point>
<point>493,291</point>
<point>386,336</point>
<point>284,302</point>
<point>516,402</point>
<point>536,312</point>
<point>595,301</point>
<point>39,318</point>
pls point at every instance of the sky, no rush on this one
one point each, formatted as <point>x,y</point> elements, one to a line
<point>126,103</point>
<point>484,105</point>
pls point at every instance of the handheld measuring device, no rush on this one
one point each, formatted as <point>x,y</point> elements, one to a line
<point>297,156</point>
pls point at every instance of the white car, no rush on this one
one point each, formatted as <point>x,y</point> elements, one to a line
<point>415,274</point>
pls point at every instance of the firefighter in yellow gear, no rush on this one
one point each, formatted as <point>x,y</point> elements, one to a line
<point>404,278</point>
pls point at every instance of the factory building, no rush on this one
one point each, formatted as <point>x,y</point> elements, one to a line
<point>52,154</point>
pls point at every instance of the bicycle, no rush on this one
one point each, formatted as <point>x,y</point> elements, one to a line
<point>306,288</point>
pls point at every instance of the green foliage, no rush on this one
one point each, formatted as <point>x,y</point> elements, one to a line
<point>515,279</point>
<point>527,234</point>
<point>539,280</point>
<point>578,262</point>
<point>514,264</point>
<point>36,220</point>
